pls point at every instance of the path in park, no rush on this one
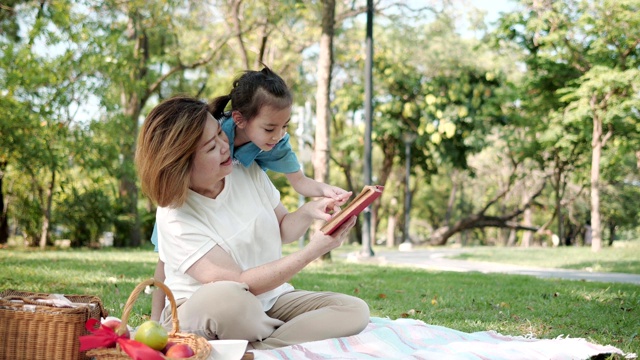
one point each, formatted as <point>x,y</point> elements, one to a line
<point>438,259</point>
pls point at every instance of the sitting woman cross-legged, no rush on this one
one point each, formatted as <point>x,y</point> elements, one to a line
<point>220,233</point>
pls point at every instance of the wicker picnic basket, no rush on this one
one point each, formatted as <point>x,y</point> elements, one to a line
<point>33,329</point>
<point>198,344</point>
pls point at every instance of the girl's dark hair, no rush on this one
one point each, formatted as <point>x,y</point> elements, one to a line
<point>251,91</point>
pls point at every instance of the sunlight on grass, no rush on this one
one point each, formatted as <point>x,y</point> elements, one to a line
<point>623,257</point>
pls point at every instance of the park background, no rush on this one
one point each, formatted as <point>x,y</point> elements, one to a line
<point>518,128</point>
<point>523,117</point>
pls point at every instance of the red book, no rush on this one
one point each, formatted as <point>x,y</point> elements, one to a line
<point>355,207</point>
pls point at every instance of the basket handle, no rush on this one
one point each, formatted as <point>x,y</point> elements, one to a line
<point>134,295</point>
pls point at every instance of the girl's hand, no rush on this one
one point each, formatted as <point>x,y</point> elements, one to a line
<point>339,195</point>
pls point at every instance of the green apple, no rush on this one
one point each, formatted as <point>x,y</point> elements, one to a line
<point>152,334</point>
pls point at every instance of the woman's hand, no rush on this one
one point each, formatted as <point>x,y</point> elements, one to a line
<point>327,243</point>
<point>321,209</point>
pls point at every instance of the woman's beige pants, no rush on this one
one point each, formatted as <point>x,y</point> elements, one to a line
<point>227,310</point>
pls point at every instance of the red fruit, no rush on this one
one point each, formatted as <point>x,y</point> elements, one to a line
<point>113,324</point>
<point>168,346</point>
<point>180,351</point>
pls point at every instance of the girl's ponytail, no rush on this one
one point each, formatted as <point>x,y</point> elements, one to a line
<point>217,106</point>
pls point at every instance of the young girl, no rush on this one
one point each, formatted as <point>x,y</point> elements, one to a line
<point>257,125</point>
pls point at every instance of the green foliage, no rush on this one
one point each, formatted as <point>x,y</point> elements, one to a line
<point>442,93</point>
<point>78,78</point>
<point>42,90</point>
<point>84,215</point>
<point>580,61</point>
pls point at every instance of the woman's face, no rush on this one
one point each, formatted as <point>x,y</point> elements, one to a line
<point>268,127</point>
<point>212,160</point>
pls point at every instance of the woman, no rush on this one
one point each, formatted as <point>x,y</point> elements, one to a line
<point>220,236</point>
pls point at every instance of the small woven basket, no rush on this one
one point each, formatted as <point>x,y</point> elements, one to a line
<point>198,344</point>
<point>33,329</point>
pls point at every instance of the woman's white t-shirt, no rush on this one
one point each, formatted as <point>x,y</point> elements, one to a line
<point>241,220</point>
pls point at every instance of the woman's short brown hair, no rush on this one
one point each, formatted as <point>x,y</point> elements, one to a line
<point>166,146</point>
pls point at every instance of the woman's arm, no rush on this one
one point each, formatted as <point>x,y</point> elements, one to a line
<point>157,299</point>
<point>294,225</point>
<point>218,265</point>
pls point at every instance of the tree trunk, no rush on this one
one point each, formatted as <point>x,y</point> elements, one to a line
<point>323,123</point>
<point>128,190</point>
<point>46,213</point>
<point>558,199</point>
<point>512,238</point>
<point>390,150</point>
<point>4,221</point>
<point>128,232</point>
<point>392,222</point>
<point>596,145</point>
<point>612,233</point>
<point>527,221</point>
<point>480,220</point>
<point>452,198</point>
<point>237,29</point>
<point>475,221</point>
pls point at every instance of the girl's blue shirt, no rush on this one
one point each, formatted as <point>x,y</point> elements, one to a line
<point>280,159</point>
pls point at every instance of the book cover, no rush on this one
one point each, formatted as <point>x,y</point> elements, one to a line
<point>368,194</point>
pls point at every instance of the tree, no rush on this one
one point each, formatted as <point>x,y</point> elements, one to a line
<point>42,105</point>
<point>609,98</point>
<point>149,46</point>
<point>323,124</point>
<point>573,45</point>
<point>500,179</point>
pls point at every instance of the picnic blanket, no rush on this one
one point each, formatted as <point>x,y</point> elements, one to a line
<point>414,339</point>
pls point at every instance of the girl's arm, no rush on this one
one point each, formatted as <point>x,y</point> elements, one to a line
<point>311,188</point>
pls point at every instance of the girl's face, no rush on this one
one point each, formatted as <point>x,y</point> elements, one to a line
<point>211,161</point>
<point>266,128</point>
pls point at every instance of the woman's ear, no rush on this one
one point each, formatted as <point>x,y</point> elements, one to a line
<point>238,119</point>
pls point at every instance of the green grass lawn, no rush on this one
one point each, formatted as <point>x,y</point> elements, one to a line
<point>604,313</point>
<point>622,257</point>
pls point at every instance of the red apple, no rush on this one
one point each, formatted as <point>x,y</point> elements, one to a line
<point>180,351</point>
<point>113,324</point>
<point>168,346</point>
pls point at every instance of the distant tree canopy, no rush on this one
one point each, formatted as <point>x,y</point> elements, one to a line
<point>528,128</point>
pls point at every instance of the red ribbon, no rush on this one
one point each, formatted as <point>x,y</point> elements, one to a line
<point>104,337</point>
